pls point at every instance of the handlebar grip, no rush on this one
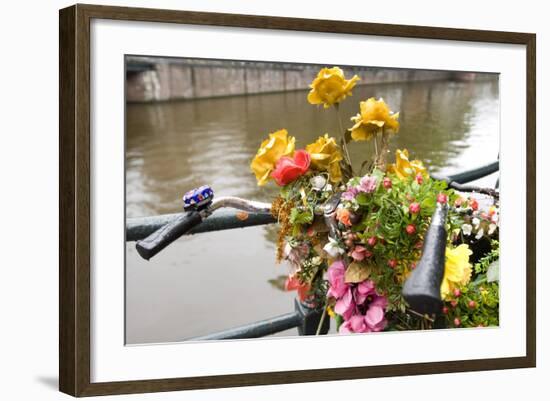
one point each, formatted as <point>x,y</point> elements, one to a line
<point>164,236</point>
<point>422,290</point>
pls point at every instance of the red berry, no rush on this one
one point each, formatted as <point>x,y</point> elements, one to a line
<point>411,229</point>
<point>445,310</point>
<point>414,207</point>
<point>456,292</point>
<point>457,321</point>
<point>441,198</point>
<point>472,304</point>
<point>387,183</point>
<point>454,303</point>
<point>392,263</point>
<point>419,179</point>
<point>371,241</point>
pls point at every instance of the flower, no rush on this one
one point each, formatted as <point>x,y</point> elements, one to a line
<point>374,115</point>
<point>333,248</point>
<point>419,179</point>
<point>296,254</point>
<point>387,183</point>
<point>457,269</point>
<point>350,194</point>
<point>414,207</point>
<point>293,283</point>
<point>363,290</point>
<point>372,241</point>
<point>330,87</point>
<point>410,229</point>
<point>367,184</point>
<point>288,169</point>
<point>359,253</point>
<point>467,229</point>
<point>441,198</point>
<point>326,156</point>
<point>343,216</point>
<point>278,144</point>
<point>345,305</point>
<point>335,276</point>
<point>318,182</point>
<point>404,168</point>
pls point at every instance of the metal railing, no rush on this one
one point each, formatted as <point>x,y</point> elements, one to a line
<point>304,317</point>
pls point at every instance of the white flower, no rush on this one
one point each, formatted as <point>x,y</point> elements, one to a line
<point>479,233</point>
<point>475,222</point>
<point>287,250</point>
<point>333,248</point>
<point>318,182</point>
<point>492,228</point>
<point>316,260</point>
<point>467,229</point>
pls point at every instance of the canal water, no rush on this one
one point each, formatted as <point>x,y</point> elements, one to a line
<point>210,282</point>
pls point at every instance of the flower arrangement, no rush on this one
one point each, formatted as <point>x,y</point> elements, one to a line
<point>354,269</point>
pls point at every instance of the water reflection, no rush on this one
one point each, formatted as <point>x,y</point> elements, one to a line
<point>175,146</point>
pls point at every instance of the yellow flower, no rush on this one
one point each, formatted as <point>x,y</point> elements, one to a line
<point>374,115</point>
<point>404,168</point>
<point>278,144</point>
<point>458,269</point>
<point>326,156</point>
<point>330,87</point>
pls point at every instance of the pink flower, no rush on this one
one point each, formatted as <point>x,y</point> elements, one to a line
<point>363,290</point>
<point>367,184</point>
<point>414,207</point>
<point>387,183</point>
<point>350,194</point>
<point>356,324</point>
<point>359,253</point>
<point>410,229</point>
<point>419,179</point>
<point>375,319</point>
<point>289,169</point>
<point>336,278</point>
<point>441,198</point>
<point>345,305</point>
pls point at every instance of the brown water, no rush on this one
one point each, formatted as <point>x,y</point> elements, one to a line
<point>214,281</point>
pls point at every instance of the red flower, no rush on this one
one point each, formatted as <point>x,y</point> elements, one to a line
<point>441,198</point>
<point>473,204</point>
<point>387,183</point>
<point>411,229</point>
<point>419,179</point>
<point>371,241</point>
<point>392,263</point>
<point>293,283</point>
<point>288,169</point>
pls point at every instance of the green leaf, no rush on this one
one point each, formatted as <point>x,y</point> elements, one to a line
<point>301,217</point>
<point>362,199</point>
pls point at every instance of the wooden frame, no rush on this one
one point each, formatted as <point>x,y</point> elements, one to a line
<point>74,199</point>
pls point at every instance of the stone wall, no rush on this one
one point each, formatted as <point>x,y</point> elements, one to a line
<point>171,79</point>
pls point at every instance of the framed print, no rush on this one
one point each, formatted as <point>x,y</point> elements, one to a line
<point>249,200</point>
